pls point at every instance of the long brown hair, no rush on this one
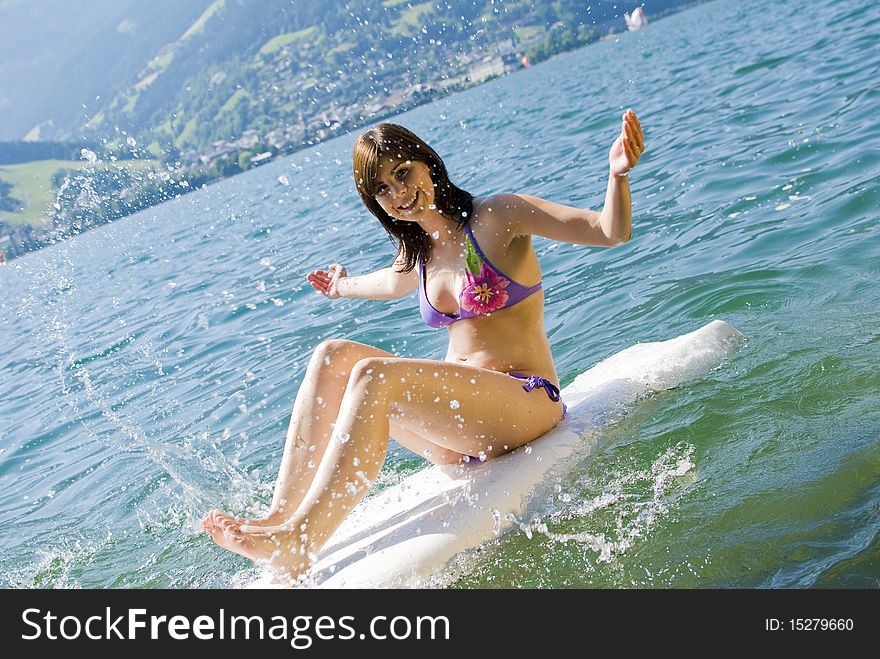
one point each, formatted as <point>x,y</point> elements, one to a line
<point>399,142</point>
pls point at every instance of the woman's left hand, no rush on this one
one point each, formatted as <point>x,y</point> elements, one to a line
<point>628,147</point>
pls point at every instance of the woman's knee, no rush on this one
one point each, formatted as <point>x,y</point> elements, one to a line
<point>370,369</point>
<point>334,353</point>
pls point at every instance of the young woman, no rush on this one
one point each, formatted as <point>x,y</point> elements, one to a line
<point>472,260</point>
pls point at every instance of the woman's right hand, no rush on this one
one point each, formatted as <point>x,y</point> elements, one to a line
<point>327,281</point>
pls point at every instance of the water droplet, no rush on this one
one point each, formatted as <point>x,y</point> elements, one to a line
<point>351,488</point>
<point>454,404</point>
<point>344,437</point>
<point>319,401</point>
<point>473,380</point>
<point>528,450</point>
<point>356,462</point>
<point>435,235</point>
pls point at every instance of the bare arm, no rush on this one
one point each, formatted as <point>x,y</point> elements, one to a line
<point>534,216</point>
<point>383,284</point>
<point>528,215</point>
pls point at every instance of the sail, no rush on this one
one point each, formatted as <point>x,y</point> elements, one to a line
<point>636,20</point>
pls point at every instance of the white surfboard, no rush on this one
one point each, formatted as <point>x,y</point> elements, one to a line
<point>405,534</point>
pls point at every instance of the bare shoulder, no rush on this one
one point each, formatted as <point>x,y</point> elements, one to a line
<point>498,206</point>
<point>495,226</point>
<point>497,216</point>
<point>527,215</point>
<point>516,214</point>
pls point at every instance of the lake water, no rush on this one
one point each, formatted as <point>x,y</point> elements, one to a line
<point>147,368</point>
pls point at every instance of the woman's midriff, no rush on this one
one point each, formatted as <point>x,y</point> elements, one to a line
<point>512,340</point>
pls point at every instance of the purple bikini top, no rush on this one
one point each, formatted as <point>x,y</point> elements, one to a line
<point>486,288</point>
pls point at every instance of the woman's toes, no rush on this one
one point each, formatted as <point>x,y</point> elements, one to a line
<point>209,522</point>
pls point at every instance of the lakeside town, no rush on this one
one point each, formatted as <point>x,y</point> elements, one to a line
<point>299,89</point>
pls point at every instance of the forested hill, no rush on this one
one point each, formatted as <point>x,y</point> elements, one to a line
<point>59,59</point>
<point>126,103</point>
<point>191,77</point>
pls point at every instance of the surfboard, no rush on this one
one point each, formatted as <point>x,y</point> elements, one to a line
<point>409,532</point>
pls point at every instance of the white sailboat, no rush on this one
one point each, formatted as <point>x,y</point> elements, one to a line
<point>636,20</point>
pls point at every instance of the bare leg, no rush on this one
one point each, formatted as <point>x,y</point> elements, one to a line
<point>311,421</point>
<point>463,409</point>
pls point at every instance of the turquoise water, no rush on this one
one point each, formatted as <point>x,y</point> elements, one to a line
<point>149,366</point>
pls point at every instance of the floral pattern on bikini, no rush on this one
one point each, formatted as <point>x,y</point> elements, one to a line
<point>484,291</point>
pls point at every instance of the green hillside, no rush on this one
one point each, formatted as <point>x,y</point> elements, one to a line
<point>33,185</point>
<point>208,88</point>
<point>291,72</point>
<point>62,60</point>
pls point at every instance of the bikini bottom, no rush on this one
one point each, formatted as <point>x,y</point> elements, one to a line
<point>533,382</point>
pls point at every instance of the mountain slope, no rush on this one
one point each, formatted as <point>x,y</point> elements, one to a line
<point>56,57</point>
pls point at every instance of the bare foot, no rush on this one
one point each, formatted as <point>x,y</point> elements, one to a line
<point>274,545</point>
<point>272,519</point>
<point>226,532</point>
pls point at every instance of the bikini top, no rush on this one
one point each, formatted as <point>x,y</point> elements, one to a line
<point>485,289</point>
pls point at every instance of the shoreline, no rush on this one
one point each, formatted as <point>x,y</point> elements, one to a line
<point>183,180</point>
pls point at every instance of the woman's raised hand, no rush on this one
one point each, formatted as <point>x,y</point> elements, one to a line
<point>628,147</point>
<point>327,281</point>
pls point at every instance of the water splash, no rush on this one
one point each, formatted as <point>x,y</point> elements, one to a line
<point>200,473</point>
<point>637,499</point>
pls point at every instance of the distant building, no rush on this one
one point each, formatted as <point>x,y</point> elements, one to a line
<point>260,158</point>
<point>488,68</point>
<point>248,139</point>
<point>215,154</point>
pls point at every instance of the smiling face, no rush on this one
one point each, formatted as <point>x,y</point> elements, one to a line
<point>394,167</point>
<point>403,188</point>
